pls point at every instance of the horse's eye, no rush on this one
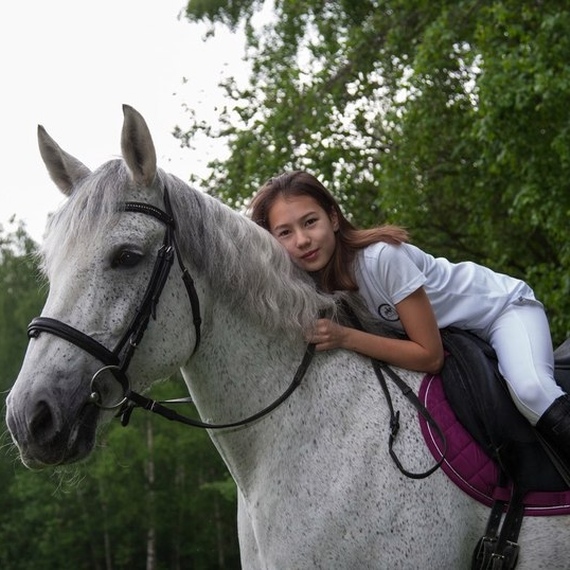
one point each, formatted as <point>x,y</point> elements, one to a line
<point>126,258</point>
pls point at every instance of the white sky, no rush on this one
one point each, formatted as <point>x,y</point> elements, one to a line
<point>71,64</point>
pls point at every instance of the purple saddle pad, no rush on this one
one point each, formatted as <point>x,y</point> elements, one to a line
<point>467,464</point>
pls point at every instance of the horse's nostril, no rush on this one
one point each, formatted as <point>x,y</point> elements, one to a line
<point>42,425</point>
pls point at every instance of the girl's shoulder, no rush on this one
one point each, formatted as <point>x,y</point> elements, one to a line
<point>386,251</point>
<point>388,273</point>
<point>377,248</point>
<point>383,259</point>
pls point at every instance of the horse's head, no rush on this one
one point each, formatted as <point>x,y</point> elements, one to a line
<point>100,256</point>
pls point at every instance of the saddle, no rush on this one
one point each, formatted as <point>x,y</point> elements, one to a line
<point>479,398</point>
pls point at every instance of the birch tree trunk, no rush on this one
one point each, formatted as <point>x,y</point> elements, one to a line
<point>150,493</point>
<point>106,535</point>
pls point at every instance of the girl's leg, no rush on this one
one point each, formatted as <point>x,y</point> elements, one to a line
<point>521,339</point>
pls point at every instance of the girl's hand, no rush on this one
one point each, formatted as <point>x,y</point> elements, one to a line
<point>422,350</point>
<point>327,335</point>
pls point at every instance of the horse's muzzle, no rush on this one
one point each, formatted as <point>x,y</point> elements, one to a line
<point>47,435</point>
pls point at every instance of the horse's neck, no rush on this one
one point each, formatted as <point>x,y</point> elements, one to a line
<point>238,364</point>
<point>239,370</point>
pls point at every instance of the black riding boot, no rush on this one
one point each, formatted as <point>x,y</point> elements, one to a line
<point>553,430</point>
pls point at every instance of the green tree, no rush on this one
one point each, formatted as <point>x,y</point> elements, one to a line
<point>99,514</point>
<point>446,117</point>
<point>22,295</point>
<point>21,298</point>
<point>155,485</point>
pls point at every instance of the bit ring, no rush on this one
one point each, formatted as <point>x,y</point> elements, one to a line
<point>95,396</point>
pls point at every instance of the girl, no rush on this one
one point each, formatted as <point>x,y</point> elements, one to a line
<point>417,294</point>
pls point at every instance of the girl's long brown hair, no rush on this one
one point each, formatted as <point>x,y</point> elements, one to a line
<point>338,274</point>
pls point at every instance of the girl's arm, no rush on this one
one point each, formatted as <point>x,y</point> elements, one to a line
<point>422,350</point>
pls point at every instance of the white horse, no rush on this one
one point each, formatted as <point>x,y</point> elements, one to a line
<point>317,488</point>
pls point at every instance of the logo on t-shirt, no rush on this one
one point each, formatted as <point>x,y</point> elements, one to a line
<point>388,313</point>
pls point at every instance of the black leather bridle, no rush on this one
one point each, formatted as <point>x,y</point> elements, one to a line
<point>116,361</point>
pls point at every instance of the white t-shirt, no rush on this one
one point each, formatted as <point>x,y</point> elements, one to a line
<point>465,295</point>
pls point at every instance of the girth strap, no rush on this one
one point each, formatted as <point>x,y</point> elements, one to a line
<point>498,549</point>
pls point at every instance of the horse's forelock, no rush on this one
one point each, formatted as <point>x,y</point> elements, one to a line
<point>86,215</point>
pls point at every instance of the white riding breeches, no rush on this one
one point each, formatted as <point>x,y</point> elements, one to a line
<point>521,338</point>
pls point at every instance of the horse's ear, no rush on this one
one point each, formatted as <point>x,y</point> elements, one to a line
<point>65,170</point>
<point>138,148</point>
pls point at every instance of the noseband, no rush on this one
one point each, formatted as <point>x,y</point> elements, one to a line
<point>117,360</point>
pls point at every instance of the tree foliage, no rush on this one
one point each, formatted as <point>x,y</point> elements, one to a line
<point>445,117</point>
<point>21,297</point>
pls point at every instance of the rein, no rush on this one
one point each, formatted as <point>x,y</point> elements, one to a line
<point>137,400</point>
<point>379,369</point>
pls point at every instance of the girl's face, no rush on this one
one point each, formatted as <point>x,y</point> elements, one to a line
<point>305,230</point>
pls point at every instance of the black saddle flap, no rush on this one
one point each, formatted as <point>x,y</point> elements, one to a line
<point>562,364</point>
<point>479,396</point>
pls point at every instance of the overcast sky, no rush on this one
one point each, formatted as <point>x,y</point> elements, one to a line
<point>71,64</point>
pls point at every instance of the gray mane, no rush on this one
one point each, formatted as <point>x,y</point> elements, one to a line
<point>243,264</point>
